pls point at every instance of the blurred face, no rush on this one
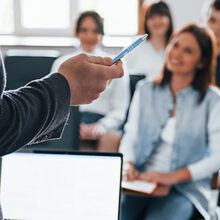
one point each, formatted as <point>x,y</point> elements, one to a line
<point>183,54</point>
<point>158,24</point>
<point>214,23</point>
<point>88,35</point>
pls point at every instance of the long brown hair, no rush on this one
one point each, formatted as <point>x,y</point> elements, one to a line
<point>205,75</point>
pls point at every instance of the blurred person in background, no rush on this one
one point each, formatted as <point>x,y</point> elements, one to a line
<point>148,57</point>
<point>101,120</point>
<point>211,15</point>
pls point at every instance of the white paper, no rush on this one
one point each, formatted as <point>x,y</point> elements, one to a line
<point>139,186</point>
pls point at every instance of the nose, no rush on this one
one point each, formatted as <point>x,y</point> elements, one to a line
<point>90,36</point>
<point>159,19</point>
<point>176,52</point>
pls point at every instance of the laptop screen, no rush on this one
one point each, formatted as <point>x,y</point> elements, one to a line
<point>46,186</point>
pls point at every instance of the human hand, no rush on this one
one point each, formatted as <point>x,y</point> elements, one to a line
<point>157,177</point>
<point>88,76</point>
<point>178,176</point>
<point>129,172</point>
<point>91,131</point>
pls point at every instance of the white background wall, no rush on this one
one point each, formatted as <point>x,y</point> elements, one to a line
<point>185,11</point>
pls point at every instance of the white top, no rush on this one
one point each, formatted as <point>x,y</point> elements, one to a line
<point>198,170</point>
<point>113,102</point>
<point>144,59</point>
<point>161,157</point>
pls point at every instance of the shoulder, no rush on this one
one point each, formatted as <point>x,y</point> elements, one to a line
<point>213,92</point>
<point>145,86</point>
<point>212,97</point>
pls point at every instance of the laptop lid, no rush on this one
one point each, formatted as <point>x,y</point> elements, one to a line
<point>46,186</point>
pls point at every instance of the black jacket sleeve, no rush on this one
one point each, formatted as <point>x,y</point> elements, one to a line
<point>35,112</point>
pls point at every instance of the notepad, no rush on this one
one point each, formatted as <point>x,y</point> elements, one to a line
<point>139,186</point>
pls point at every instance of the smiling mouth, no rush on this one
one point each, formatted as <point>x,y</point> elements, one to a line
<point>175,62</point>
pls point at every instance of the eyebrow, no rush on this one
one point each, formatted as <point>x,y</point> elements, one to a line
<point>186,47</point>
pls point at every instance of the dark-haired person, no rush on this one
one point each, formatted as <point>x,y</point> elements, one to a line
<point>173,139</point>
<point>100,120</point>
<point>213,21</point>
<point>148,57</point>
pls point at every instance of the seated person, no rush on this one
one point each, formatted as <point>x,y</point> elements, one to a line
<point>213,21</point>
<point>148,57</point>
<point>100,120</point>
<point>173,131</point>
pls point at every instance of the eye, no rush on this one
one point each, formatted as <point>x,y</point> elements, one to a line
<point>96,31</point>
<point>212,20</point>
<point>188,50</point>
<point>83,30</point>
<point>175,45</point>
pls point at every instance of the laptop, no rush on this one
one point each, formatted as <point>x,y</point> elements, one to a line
<point>58,185</point>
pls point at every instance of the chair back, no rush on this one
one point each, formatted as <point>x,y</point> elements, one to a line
<point>23,66</point>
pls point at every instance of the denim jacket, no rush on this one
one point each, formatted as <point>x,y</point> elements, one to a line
<point>192,136</point>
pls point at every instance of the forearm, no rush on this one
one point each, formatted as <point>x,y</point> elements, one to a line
<point>179,176</point>
<point>206,167</point>
<point>36,111</point>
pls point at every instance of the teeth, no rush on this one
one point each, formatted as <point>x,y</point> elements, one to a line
<point>174,61</point>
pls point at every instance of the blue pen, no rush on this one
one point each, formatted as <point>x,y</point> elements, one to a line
<point>128,49</point>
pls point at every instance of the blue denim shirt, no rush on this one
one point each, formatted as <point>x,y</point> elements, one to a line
<point>192,137</point>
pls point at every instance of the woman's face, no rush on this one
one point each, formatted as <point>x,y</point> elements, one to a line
<point>183,54</point>
<point>214,23</point>
<point>158,25</point>
<point>88,35</point>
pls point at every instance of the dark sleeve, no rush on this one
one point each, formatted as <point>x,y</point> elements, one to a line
<point>35,112</point>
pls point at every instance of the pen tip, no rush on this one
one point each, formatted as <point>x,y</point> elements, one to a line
<point>145,36</point>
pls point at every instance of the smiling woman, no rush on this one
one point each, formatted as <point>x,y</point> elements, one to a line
<point>183,55</point>
<point>172,139</point>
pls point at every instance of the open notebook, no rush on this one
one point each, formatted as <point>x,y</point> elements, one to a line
<point>50,186</point>
<point>139,186</point>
